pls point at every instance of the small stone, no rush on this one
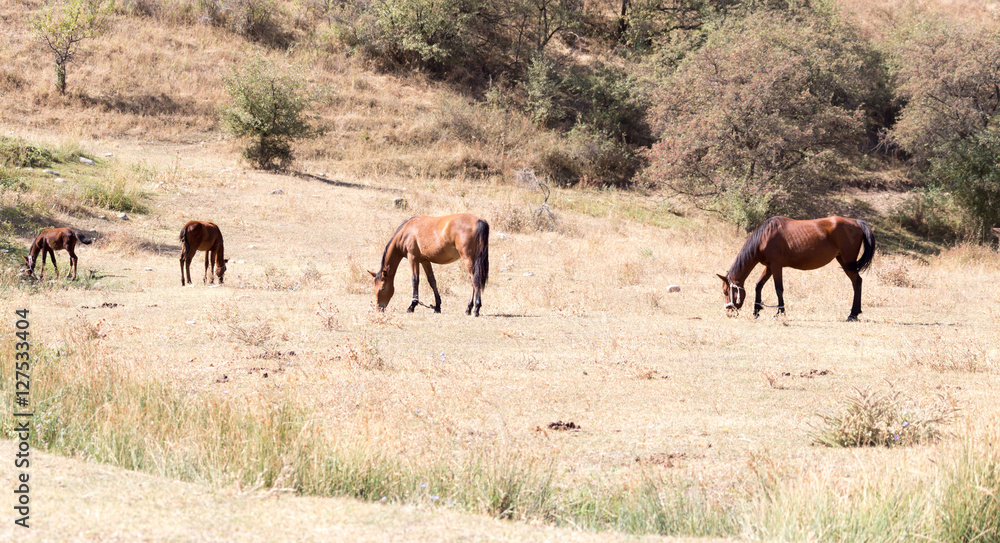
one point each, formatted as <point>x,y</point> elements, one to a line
<point>148,269</point>
<point>674,288</point>
<point>277,191</point>
<point>241,261</point>
<point>501,235</point>
<point>400,203</point>
<point>528,274</point>
<point>108,154</point>
<point>191,322</point>
<point>60,180</point>
<point>51,172</point>
<point>103,217</point>
<point>123,216</point>
<point>87,161</point>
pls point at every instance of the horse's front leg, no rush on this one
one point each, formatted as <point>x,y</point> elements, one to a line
<point>757,305</point>
<point>415,270</point>
<point>779,289</point>
<point>208,260</point>
<point>434,287</point>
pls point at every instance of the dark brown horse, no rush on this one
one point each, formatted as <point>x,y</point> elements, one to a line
<point>202,236</point>
<point>426,240</point>
<point>51,240</point>
<point>803,245</point>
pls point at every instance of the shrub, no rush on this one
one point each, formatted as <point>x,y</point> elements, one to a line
<point>970,172</point>
<point>932,212</point>
<point>765,113</point>
<point>269,112</point>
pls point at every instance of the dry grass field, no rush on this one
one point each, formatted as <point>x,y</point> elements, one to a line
<point>284,390</point>
<point>578,326</point>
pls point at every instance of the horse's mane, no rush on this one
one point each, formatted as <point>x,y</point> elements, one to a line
<point>749,251</point>
<point>381,266</point>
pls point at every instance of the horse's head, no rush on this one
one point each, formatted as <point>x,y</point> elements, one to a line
<point>733,293</point>
<point>29,267</point>
<point>383,289</point>
<point>220,269</point>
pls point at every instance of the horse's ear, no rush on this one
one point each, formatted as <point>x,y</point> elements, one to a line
<point>723,277</point>
<point>371,272</point>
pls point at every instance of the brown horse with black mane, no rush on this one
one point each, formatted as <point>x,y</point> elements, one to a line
<point>804,245</point>
<point>51,240</point>
<point>202,236</point>
<point>427,240</point>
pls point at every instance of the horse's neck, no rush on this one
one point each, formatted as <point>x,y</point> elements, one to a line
<point>741,269</point>
<point>393,257</point>
<point>220,252</point>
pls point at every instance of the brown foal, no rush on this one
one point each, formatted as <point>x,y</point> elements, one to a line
<point>202,236</point>
<point>51,240</point>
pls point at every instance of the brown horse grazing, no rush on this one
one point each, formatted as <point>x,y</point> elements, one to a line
<point>425,240</point>
<point>51,240</point>
<point>803,245</point>
<point>202,236</point>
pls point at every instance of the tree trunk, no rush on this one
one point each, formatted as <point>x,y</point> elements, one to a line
<point>61,78</point>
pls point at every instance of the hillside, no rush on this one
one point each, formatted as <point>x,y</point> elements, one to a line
<point>284,390</point>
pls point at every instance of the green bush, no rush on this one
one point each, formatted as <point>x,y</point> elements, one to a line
<point>971,173</point>
<point>270,110</point>
<point>883,418</point>
<point>18,153</point>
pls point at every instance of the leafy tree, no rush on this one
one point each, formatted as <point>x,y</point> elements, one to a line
<point>763,114</point>
<point>949,79</point>
<point>269,112</point>
<point>62,26</point>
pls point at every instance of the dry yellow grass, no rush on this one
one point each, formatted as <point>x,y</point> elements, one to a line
<point>578,327</point>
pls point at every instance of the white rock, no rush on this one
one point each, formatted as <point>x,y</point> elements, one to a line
<point>87,161</point>
<point>190,322</point>
<point>528,274</point>
<point>148,269</point>
<point>108,154</point>
<point>277,191</point>
<point>60,180</point>
<point>123,216</point>
<point>51,172</point>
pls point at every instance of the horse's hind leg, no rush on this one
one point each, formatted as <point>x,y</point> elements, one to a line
<point>434,287</point>
<point>779,289</point>
<point>415,269</point>
<point>757,306</point>
<point>72,260</point>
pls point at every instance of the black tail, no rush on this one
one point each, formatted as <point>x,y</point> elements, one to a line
<point>84,238</point>
<point>481,265</point>
<point>869,242</point>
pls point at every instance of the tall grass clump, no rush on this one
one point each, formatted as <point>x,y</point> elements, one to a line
<point>119,190</point>
<point>969,497</point>
<point>883,418</point>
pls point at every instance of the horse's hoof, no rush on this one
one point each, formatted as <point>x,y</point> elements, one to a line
<point>437,309</point>
<point>468,311</point>
<point>409,309</point>
<point>852,318</point>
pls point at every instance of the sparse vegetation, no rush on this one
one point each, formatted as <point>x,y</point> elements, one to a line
<point>63,25</point>
<point>884,418</point>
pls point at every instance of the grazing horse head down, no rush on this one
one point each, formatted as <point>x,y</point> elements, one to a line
<point>203,236</point>
<point>423,241</point>
<point>49,241</point>
<point>804,245</point>
<point>733,293</point>
<point>383,289</point>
